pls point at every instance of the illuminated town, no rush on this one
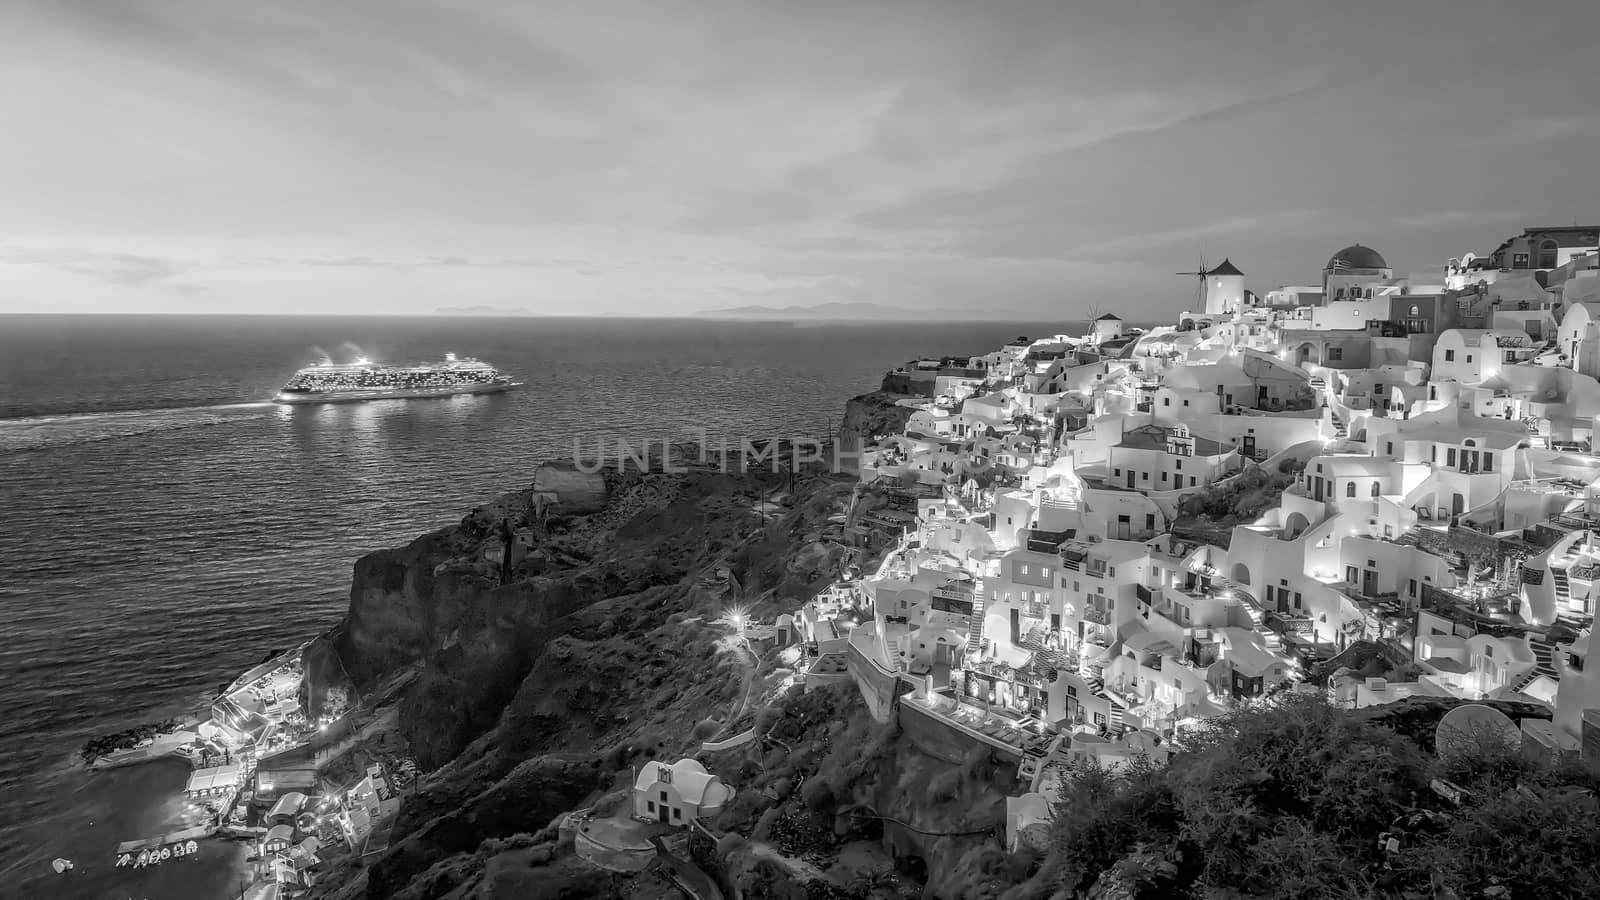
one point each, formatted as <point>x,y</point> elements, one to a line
<point>1384,479</point>
<point>1375,488</point>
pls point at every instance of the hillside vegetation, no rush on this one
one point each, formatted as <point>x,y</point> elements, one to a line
<point>1289,799</point>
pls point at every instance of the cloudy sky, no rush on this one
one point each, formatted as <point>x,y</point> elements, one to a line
<point>662,157</point>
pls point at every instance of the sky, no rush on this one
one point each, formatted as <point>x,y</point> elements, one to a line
<point>660,157</point>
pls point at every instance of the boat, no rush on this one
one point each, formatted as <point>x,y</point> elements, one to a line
<point>328,382</point>
<point>61,865</point>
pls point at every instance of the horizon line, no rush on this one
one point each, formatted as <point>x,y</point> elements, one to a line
<point>1011,316</point>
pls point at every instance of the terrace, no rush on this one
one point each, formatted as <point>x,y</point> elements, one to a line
<point>1022,735</point>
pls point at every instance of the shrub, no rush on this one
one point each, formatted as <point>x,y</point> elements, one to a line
<point>817,794</point>
<point>1286,799</point>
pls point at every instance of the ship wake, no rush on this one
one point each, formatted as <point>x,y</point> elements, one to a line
<point>47,432</point>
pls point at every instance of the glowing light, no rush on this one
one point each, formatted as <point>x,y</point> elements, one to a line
<point>735,617</point>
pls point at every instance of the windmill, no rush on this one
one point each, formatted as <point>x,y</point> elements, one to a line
<point>1200,284</point>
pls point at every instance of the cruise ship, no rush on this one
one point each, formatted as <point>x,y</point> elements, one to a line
<point>366,380</point>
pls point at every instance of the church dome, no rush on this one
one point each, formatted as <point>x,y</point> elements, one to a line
<point>1356,257</point>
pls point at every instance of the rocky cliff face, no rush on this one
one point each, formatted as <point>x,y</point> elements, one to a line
<point>870,415</point>
<point>565,633</point>
<point>537,685</point>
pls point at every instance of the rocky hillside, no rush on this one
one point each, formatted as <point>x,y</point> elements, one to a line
<point>870,415</point>
<point>543,678</point>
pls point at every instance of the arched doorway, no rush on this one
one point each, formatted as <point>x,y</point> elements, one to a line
<point>1458,504</point>
<point>1240,573</point>
<point>1307,352</point>
<point>1295,526</point>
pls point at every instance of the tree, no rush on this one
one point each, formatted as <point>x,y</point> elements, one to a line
<point>1287,798</point>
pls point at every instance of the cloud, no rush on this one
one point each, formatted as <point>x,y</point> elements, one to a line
<point>116,268</point>
<point>1135,245</point>
<point>918,151</point>
<point>1538,129</point>
<point>1456,217</point>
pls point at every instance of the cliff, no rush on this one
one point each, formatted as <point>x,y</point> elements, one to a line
<point>867,417</point>
<point>527,688</point>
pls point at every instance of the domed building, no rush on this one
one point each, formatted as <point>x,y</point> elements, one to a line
<point>1349,271</point>
<point>1355,256</point>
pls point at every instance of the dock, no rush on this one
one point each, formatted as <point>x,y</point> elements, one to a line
<point>163,746</point>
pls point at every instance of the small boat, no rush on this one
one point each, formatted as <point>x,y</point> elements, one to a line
<point>61,865</point>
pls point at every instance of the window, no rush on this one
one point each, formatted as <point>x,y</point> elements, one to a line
<point>1335,353</point>
<point>1117,472</point>
<point>1185,403</point>
<point>1144,476</point>
<point>1449,356</point>
<point>1099,718</point>
<point>1180,465</point>
<point>1488,461</point>
<point>677,812</point>
<point>1166,401</point>
<point>1191,481</point>
<point>1045,571</point>
<point>1023,566</point>
<point>1163,478</point>
<point>1389,448</point>
<point>1450,457</point>
<point>1376,491</point>
<point>1469,357</point>
<point>1519,260</point>
<point>651,805</point>
<point>1547,255</point>
<point>1350,489</point>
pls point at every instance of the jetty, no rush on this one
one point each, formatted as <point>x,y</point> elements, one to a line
<point>176,744</point>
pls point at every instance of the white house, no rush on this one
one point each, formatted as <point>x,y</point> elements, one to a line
<point>678,794</point>
<point>1156,458</point>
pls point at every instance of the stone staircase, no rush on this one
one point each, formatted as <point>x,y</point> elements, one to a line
<point>1044,657</point>
<point>1563,587</point>
<point>1545,650</point>
<point>1527,679</point>
<point>975,625</point>
<point>1255,611</point>
<point>1544,658</point>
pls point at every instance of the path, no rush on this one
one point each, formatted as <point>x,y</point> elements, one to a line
<point>748,682</point>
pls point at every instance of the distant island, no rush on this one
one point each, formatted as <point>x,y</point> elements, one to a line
<point>480,311</point>
<point>821,311</point>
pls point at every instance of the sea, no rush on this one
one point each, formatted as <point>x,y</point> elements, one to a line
<point>165,526</point>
